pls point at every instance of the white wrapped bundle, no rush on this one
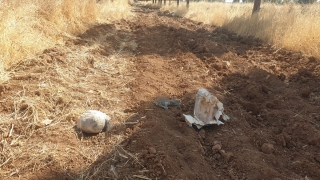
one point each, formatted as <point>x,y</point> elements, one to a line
<point>207,110</point>
<point>93,121</point>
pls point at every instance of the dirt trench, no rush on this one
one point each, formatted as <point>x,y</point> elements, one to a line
<point>271,95</point>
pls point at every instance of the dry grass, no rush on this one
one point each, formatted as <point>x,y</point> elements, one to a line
<point>295,27</point>
<point>50,91</point>
<point>51,87</point>
<point>29,27</point>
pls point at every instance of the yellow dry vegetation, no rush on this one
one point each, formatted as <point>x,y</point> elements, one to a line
<point>290,26</point>
<point>30,26</point>
<point>52,83</point>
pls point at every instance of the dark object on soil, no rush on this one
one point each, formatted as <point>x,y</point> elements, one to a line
<point>165,102</point>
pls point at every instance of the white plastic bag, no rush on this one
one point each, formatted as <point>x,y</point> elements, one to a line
<point>207,110</point>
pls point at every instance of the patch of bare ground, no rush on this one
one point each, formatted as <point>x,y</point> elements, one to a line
<point>272,96</point>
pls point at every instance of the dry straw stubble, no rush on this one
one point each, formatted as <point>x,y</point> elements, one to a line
<point>291,26</point>
<point>28,27</point>
<point>49,91</point>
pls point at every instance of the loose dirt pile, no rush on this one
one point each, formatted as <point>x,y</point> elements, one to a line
<point>271,95</point>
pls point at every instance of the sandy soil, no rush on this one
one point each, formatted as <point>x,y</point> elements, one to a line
<point>271,95</point>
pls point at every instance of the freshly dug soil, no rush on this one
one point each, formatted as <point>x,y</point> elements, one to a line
<point>271,95</point>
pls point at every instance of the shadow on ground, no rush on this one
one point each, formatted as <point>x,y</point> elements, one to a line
<point>168,36</point>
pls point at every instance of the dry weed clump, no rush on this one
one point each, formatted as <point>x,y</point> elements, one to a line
<point>29,27</point>
<point>291,26</point>
<point>47,95</point>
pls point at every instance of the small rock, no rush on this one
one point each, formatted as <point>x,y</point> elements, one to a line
<point>216,148</point>
<point>24,106</point>
<point>226,64</point>
<point>152,150</point>
<point>38,93</point>
<point>226,156</point>
<point>216,142</point>
<point>267,148</point>
<point>93,121</point>
<point>46,121</point>
<point>272,66</point>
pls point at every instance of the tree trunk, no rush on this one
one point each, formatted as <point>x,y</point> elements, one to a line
<point>256,6</point>
<point>188,3</point>
<point>177,2</point>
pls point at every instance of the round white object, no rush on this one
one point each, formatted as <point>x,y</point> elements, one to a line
<point>93,121</point>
